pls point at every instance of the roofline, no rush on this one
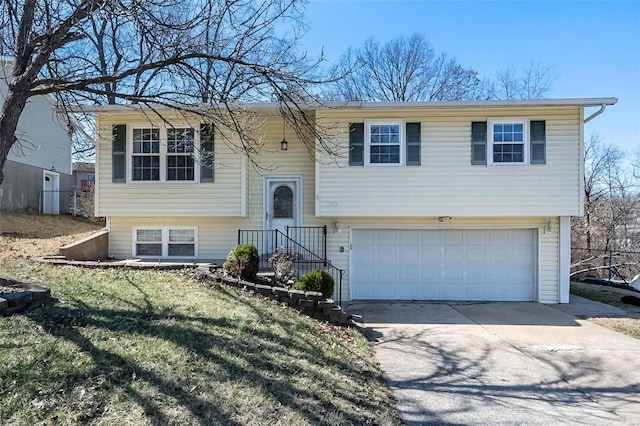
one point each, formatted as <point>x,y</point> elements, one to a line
<point>584,102</point>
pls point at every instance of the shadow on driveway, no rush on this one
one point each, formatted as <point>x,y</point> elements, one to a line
<point>503,363</point>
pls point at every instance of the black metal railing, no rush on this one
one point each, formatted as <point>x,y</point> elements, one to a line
<point>268,241</point>
<point>314,238</point>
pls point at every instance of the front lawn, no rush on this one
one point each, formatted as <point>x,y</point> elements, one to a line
<point>142,347</point>
<point>629,324</point>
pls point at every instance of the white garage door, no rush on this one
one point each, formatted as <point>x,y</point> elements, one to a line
<point>443,264</point>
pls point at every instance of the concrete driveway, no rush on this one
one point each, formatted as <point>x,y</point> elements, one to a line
<point>505,363</point>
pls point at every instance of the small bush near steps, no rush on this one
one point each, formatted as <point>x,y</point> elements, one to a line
<point>317,280</point>
<point>243,262</point>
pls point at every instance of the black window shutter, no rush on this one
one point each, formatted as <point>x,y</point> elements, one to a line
<point>538,142</point>
<point>207,152</point>
<point>119,154</point>
<point>356,144</point>
<point>479,142</point>
<point>413,144</point>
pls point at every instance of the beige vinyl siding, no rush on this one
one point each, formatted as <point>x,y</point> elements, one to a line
<point>222,198</point>
<point>216,236</point>
<point>294,162</point>
<point>547,259</point>
<point>446,184</point>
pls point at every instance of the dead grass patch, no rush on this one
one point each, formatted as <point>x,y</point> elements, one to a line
<point>629,325</point>
<point>27,235</point>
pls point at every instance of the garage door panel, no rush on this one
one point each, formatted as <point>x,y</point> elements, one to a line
<point>386,255</point>
<point>453,237</point>
<point>430,238</point>
<point>520,238</point>
<point>475,272</point>
<point>363,239</point>
<point>453,254</point>
<point>451,292</point>
<point>385,291</point>
<point>408,290</point>
<point>408,256</point>
<point>476,255</point>
<point>409,273</point>
<point>443,264</point>
<point>386,273</point>
<point>520,256</point>
<point>451,272</point>
<point>475,237</point>
<point>408,237</point>
<point>430,255</point>
<point>430,273</point>
<point>386,238</point>
<point>498,237</point>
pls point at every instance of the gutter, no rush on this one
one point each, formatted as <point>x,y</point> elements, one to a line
<point>583,102</point>
<point>603,106</point>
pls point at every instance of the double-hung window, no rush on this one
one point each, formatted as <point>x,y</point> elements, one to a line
<point>508,142</point>
<point>180,162</point>
<point>160,154</point>
<point>146,154</point>
<point>384,143</point>
<point>165,242</point>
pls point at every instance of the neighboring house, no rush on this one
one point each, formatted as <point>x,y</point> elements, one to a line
<point>84,176</point>
<point>37,174</point>
<point>429,201</point>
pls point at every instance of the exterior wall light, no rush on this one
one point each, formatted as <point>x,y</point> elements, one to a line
<point>338,228</point>
<point>284,145</point>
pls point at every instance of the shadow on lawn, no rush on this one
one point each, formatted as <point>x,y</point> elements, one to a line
<point>231,351</point>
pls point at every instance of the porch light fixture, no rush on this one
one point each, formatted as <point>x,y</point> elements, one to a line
<point>547,228</point>
<point>284,145</point>
<point>338,228</point>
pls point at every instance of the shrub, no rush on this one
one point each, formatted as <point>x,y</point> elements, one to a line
<point>243,262</point>
<point>317,280</point>
<point>283,265</point>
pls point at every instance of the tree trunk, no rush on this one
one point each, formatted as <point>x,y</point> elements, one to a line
<point>14,103</point>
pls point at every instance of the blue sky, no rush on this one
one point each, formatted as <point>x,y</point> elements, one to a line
<point>593,47</point>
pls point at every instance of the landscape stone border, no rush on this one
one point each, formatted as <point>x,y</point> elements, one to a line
<point>311,303</point>
<point>17,296</point>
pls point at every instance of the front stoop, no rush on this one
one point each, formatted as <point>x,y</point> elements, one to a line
<point>311,303</point>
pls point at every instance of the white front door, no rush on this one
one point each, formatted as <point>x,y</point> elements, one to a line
<point>50,193</point>
<point>282,204</point>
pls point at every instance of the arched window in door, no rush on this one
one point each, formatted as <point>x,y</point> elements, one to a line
<point>283,203</point>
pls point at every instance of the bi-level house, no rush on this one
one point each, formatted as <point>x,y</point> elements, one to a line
<point>428,201</point>
<point>37,174</point>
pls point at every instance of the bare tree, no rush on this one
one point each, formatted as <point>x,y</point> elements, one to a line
<point>402,69</point>
<point>610,212</point>
<point>532,82</point>
<point>159,53</point>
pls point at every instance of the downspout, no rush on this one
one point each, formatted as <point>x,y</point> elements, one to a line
<point>595,114</point>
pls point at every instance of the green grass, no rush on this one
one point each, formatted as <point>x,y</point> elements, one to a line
<point>134,347</point>
<point>629,324</point>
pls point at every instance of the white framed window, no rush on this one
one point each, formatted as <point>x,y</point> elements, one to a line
<point>180,148</point>
<point>163,154</point>
<point>384,143</point>
<point>146,154</point>
<point>165,242</point>
<point>508,141</point>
